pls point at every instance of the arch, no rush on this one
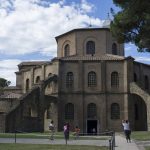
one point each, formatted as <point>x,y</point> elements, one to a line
<point>69,79</point>
<point>92,81</point>
<point>52,78</point>
<point>91,110</point>
<point>37,79</point>
<point>90,47</point>
<point>27,84</point>
<point>146,82</point>
<point>115,111</point>
<point>139,113</point>
<point>114,79</point>
<point>145,97</point>
<point>69,111</point>
<point>114,49</point>
<point>66,50</point>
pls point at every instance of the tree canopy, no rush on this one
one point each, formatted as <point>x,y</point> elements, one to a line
<point>4,83</point>
<point>132,23</point>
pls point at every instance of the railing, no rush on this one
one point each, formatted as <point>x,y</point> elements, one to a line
<point>111,140</point>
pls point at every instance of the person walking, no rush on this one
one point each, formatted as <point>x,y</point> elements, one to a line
<point>77,131</point>
<point>52,130</point>
<point>127,130</point>
<point>66,132</point>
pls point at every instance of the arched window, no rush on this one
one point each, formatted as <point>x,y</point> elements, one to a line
<point>114,49</point>
<point>90,47</point>
<point>67,50</point>
<point>37,79</point>
<point>69,80</point>
<point>27,85</point>
<point>135,77</point>
<point>49,85</point>
<point>91,110</point>
<point>114,79</point>
<point>92,79</point>
<point>146,82</point>
<point>69,111</point>
<point>115,111</point>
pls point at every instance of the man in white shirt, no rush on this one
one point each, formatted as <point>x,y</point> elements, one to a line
<point>127,130</point>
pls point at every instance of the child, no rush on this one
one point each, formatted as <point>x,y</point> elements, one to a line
<point>77,131</point>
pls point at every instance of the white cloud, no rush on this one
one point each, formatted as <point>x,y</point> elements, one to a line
<point>28,26</point>
<point>8,69</point>
<point>143,59</point>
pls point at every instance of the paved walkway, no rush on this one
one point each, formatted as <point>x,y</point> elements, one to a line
<point>121,143</point>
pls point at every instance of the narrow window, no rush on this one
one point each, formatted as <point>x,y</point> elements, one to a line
<point>90,47</point>
<point>115,111</point>
<point>114,49</point>
<point>67,50</point>
<point>114,79</point>
<point>49,85</point>
<point>37,79</point>
<point>27,85</point>
<point>146,82</point>
<point>92,79</point>
<point>91,110</point>
<point>69,80</point>
<point>135,77</point>
<point>69,111</point>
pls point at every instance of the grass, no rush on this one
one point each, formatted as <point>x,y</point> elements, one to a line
<point>48,147</point>
<point>58,135</point>
<point>141,135</point>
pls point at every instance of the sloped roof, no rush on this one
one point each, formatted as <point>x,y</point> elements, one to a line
<point>12,88</point>
<point>32,63</point>
<point>81,29</point>
<point>11,95</point>
<point>103,57</point>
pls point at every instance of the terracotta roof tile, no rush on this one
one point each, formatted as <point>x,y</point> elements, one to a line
<point>11,95</point>
<point>103,57</point>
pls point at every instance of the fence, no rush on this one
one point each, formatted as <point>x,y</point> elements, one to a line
<point>110,134</point>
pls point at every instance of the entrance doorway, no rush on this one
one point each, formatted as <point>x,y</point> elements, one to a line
<point>91,126</point>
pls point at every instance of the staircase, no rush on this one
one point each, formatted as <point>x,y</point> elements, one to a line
<point>17,119</point>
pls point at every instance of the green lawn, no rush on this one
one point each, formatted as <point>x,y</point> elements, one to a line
<point>48,147</point>
<point>141,135</point>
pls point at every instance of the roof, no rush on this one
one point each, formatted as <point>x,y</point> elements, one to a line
<point>12,88</point>
<point>103,57</point>
<point>32,63</point>
<point>11,95</point>
<point>81,29</point>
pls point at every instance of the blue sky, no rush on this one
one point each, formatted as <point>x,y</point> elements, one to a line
<point>28,29</point>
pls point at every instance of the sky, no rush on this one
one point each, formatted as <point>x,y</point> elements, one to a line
<point>28,29</point>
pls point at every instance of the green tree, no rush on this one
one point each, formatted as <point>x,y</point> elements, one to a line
<point>4,83</point>
<point>132,23</point>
